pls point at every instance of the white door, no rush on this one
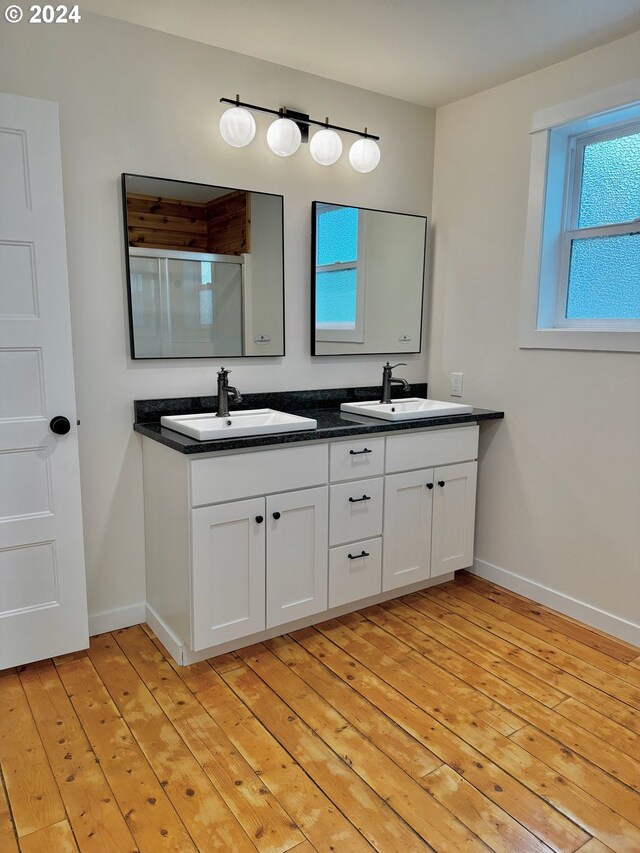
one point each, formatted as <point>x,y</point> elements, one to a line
<point>406,554</point>
<point>297,557</point>
<point>228,556</point>
<point>454,506</point>
<point>43,603</point>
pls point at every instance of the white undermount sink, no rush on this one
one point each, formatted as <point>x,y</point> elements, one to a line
<point>407,409</point>
<point>209,427</point>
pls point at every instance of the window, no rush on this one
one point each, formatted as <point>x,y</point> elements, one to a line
<point>339,274</point>
<point>601,246</point>
<point>582,259</point>
<point>205,294</point>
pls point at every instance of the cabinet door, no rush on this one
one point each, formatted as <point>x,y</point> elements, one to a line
<point>228,567</point>
<point>454,505</point>
<point>297,541</point>
<point>407,528</point>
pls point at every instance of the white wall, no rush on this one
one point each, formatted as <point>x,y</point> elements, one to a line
<point>263,278</point>
<point>136,100</point>
<point>559,488</point>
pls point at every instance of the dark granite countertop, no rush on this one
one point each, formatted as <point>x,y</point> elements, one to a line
<point>321,405</point>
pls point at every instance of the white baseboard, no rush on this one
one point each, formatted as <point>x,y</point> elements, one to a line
<point>183,655</point>
<point>113,620</point>
<point>166,636</point>
<point>587,613</point>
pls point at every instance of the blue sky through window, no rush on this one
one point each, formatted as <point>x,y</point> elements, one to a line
<point>610,181</point>
<point>337,236</point>
<point>336,290</point>
<point>604,268</point>
<point>604,278</point>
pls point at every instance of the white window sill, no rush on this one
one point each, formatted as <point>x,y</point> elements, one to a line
<point>581,339</point>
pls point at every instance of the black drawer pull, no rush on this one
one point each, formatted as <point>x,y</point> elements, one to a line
<point>359,500</point>
<point>259,519</point>
<point>358,556</point>
<point>359,452</point>
<point>441,483</point>
<point>429,485</point>
<point>276,515</point>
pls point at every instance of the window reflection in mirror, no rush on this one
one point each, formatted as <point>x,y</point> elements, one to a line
<point>205,268</point>
<point>368,280</point>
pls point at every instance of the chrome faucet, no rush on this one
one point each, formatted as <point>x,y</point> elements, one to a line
<point>224,390</point>
<point>388,380</point>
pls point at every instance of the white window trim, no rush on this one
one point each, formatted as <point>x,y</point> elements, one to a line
<point>538,312</point>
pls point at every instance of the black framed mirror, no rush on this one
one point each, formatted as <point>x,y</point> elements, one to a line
<point>205,269</point>
<point>367,274</point>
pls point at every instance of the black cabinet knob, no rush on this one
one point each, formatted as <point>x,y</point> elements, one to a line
<point>259,519</point>
<point>429,485</point>
<point>441,483</point>
<point>358,556</point>
<point>359,452</point>
<point>276,515</point>
<point>60,425</point>
<point>359,500</point>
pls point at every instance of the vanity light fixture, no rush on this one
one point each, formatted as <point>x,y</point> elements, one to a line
<point>326,146</point>
<point>284,137</point>
<point>291,128</point>
<point>237,127</point>
<point>364,155</point>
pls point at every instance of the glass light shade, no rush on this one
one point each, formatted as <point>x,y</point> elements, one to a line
<point>283,137</point>
<point>237,127</point>
<point>326,147</point>
<point>364,155</point>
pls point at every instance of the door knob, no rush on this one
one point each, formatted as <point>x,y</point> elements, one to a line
<point>60,425</point>
<point>276,515</point>
<point>429,485</point>
<point>441,483</point>
<point>259,519</point>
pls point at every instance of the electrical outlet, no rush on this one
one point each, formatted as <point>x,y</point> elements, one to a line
<point>456,384</point>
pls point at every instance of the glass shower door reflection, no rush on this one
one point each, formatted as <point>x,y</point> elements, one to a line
<point>147,315</point>
<point>187,307</point>
<point>205,307</point>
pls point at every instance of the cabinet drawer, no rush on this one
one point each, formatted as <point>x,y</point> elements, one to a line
<point>242,475</point>
<point>351,460</point>
<point>352,577</point>
<point>355,511</point>
<point>427,449</point>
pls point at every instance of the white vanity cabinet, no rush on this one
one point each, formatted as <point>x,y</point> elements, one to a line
<point>453,521</point>
<point>429,512</point>
<point>235,544</point>
<point>429,519</point>
<point>248,544</point>
<point>296,534</point>
<point>408,509</point>
<point>246,552</point>
<point>228,571</point>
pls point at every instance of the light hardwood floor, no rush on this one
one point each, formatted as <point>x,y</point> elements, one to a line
<point>462,718</point>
